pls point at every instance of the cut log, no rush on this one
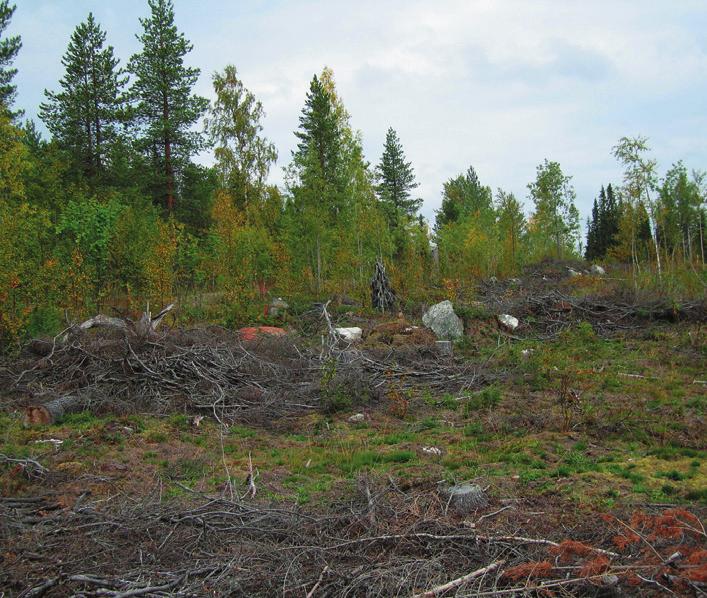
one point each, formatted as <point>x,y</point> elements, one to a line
<point>51,412</point>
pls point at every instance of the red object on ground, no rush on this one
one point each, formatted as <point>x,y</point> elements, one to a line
<point>252,332</point>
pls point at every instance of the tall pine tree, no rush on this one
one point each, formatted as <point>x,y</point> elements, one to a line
<point>396,181</point>
<point>165,107</point>
<point>84,115</point>
<point>9,47</point>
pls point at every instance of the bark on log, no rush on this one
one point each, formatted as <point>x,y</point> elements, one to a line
<point>51,412</point>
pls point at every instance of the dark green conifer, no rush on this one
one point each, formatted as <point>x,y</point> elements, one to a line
<point>165,107</point>
<point>83,116</point>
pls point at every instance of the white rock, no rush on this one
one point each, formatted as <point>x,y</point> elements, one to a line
<point>508,322</point>
<point>350,334</point>
<point>357,417</point>
<point>574,272</point>
<point>55,441</point>
<point>431,450</point>
<point>443,321</point>
<point>597,269</point>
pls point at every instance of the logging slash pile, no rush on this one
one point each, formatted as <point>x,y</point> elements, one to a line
<point>212,371</point>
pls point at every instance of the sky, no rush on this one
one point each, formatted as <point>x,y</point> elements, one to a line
<point>497,84</point>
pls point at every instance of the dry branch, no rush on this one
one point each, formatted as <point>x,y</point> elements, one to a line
<point>460,581</point>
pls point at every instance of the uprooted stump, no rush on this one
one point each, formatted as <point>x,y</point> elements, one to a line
<point>145,327</point>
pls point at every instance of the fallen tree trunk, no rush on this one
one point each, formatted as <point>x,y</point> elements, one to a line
<point>143,328</point>
<point>51,412</point>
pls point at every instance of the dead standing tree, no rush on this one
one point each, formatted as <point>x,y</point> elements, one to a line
<point>382,294</point>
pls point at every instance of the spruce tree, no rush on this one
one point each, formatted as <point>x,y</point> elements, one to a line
<point>603,226</point>
<point>396,181</point>
<point>511,226</point>
<point>9,47</point>
<point>319,134</point>
<point>613,214</point>
<point>84,115</point>
<point>165,107</point>
<point>592,249</point>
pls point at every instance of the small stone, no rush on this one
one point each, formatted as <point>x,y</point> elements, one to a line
<point>280,303</point>
<point>278,307</point>
<point>357,418</point>
<point>508,322</point>
<point>597,269</point>
<point>573,272</point>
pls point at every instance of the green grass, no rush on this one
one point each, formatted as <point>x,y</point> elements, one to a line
<point>486,398</point>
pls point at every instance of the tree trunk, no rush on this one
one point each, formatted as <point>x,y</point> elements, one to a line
<point>656,244</point>
<point>168,170</point>
<point>319,267</point>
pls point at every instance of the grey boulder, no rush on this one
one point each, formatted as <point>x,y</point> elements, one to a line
<point>443,321</point>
